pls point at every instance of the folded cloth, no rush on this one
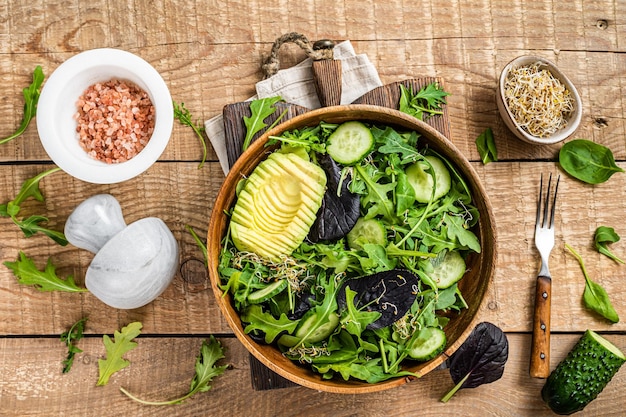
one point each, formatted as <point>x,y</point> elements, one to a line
<point>296,85</point>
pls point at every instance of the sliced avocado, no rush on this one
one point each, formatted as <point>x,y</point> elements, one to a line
<point>277,205</point>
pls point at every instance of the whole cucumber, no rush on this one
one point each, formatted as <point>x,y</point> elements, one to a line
<point>583,374</point>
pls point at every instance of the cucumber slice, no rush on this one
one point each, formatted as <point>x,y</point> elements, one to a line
<point>308,331</point>
<point>450,270</point>
<point>350,143</point>
<point>422,180</point>
<point>583,374</point>
<point>367,231</point>
<point>430,342</point>
<point>268,292</point>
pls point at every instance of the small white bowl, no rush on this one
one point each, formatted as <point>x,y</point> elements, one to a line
<point>562,134</point>
<point>56,109</point>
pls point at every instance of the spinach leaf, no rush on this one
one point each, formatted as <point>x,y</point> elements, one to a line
<point>595,296</point>
<point>603,236</point>
<point>588,161</point>
<point>487,147</point>
<point>480,359</point>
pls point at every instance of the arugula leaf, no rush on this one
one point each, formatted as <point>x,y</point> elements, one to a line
<point>425,103</point>
<point>260,108</point>
<point>183,115</point>
<point>394,143</point>
<point>595,296</point>
<point>353,319</point>
<point>487,147</point>
<point>115,351</point>
<point>31,225</point>
<point>47,280</point>
<point>257,319</point>
<point>73,335</point>
<point>602,237</point>
<point>205,369</point>
<point>457,229</point>
<point>31,98</point>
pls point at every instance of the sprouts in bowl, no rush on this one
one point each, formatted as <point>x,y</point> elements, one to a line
<point>537,102</point>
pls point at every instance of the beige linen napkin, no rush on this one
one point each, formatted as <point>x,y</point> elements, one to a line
<point>296,85</point>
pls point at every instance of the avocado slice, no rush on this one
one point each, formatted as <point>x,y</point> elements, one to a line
<point>277,205</point>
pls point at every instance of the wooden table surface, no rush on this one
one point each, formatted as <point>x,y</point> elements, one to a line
<point>209,54</point>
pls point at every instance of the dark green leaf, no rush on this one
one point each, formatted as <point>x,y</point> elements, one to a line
<point>258,319</point>
<point>595,296</point>
<point>588,161</point>
<point>487,147</point>
<point>603,236</point>
<point>47,280</point>
<point>205,369</point>
<point>260,108</point>
<point>183,115</point>
<point>73,335</point>
<point>425,103</point>
<point>31,98</point>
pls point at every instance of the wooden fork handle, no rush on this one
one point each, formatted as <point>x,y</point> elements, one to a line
<point>540,351</point>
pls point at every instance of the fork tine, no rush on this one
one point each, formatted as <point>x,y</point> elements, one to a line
<point>546,206</point>
<point>538,220</point>
<point>556,190</point>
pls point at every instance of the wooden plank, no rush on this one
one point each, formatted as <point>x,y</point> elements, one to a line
<point>188,306</point>
<point>162,368</point>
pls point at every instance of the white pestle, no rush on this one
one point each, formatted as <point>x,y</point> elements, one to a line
<point>133,264</point>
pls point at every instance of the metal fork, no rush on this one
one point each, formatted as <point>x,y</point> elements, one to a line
<point>544,241</point>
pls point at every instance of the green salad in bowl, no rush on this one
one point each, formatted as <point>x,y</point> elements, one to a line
<point>353,253</point>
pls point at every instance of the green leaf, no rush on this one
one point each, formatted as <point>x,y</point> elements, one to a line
<point>183,115</point>
<point>205,369</point>
<point>47,280</point>
<point>200,244</point>
<point>31,225</point>
<point>31,98</point>
<point>456,229</point>
<point>73,335</point>
<point>487,147</point>
<point>588,161</point>
<point>595,296</point>
<point>355,320</point>
<point>602,237</point>
<point>425,103</point>
<point>115,351</point>
<point>260,108</point>
<point>394,143</point>
<point>264,321</point>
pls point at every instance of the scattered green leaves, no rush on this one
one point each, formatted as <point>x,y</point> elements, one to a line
<point>260,108</point>
<point>595,296</point>
<point>47,280</point>
<point>486,146</point>
<point>206,370</point>
<point>183,115</point>
<point>31,98</point>
<point>427,102</point>
<point>32,224</point>
<point>73,335</point>
<point>588,161</point>
<point>602,237</point>
<point>115,351</point>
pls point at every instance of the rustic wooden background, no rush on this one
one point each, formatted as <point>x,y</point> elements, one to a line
<point>209,53</point>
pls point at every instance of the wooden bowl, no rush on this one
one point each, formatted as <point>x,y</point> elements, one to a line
<point>474,285</point>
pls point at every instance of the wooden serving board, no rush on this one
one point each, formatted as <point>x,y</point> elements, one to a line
<point>235,131</point>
